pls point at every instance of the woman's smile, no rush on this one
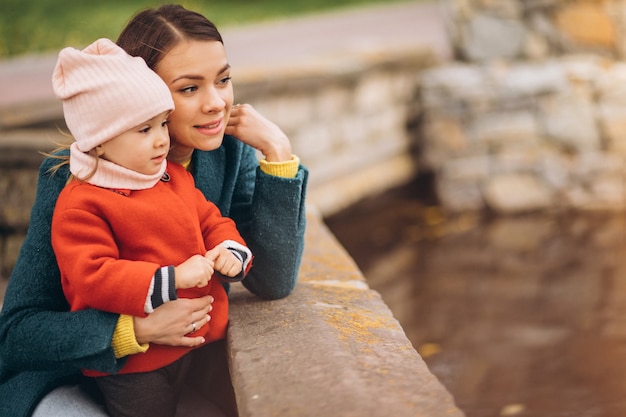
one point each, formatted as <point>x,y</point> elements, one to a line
<point>212,128</point>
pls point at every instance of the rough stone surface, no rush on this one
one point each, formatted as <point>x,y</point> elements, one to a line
<point>483,30</point>
<point>530,114</point>
<point>526,136</point>
<point>587,23</point>
<point>517,193</point>
<point>332,348</point>
<point>487,37</point>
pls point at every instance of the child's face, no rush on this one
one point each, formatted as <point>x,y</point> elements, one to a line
<point>142,148</point>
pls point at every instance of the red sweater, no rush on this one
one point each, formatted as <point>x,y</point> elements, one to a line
<point>109,244</point>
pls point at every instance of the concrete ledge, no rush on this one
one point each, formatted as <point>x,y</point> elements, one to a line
<point>332,348</point>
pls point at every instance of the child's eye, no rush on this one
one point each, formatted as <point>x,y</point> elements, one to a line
<point>144,129</point>
<point>164,123</point>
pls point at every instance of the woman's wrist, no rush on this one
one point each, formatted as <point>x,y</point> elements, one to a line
<point>278,150</point>
<point>142,331</point>
<point>278,156</point>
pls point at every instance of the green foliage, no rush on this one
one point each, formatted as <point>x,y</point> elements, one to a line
<point>35,26</point>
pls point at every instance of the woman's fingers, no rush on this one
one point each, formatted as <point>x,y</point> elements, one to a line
<point>170,322</point>
<point>252,128</point>
<point>187,341</point>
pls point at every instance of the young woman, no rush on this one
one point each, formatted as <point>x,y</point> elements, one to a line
<point>44,346</point>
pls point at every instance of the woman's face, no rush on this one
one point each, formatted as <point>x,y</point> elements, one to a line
<point>198,75</point>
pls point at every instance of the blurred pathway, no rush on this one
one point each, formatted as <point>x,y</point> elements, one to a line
<point>26,80</point>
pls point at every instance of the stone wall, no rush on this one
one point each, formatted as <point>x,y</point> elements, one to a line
<point>349,118</point>
<point>482,30</point>
<point>531,115</point>
<point>19,162</point>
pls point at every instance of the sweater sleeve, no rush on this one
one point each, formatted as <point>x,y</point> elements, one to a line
<point>37,330</point>
<point>244,255</point>
<point>124,341</point>
<point>270,213</point>
<point>162,289</point>
<point>287,169</point>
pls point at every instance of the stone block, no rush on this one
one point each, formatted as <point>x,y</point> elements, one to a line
<point>514,193</point>
<point>332,348</point>
<point>486,37</point>
<point>587,23</point>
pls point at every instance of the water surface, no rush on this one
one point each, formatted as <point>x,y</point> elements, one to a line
<point>517,316</point>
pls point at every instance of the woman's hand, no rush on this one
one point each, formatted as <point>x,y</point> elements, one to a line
<point>249,126</point>
<point>171,322</point>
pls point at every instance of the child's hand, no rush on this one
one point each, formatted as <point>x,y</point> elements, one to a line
<point>194,272</point>
<point>224,261</point>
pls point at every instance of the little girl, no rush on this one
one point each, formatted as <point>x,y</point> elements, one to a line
<point>130,231</point>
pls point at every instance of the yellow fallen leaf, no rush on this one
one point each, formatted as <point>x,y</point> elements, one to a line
<point>512,410</point>
<point>427,350</point>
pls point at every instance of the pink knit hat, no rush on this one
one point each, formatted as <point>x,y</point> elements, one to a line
<point>106,92</point>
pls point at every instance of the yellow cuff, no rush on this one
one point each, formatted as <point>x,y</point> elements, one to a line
<point>124,342</point>
<point>285,169</point>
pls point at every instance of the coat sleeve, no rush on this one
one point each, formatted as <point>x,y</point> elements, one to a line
<point>270,213</point>
<point>37,330</point>
<point>92,272</point>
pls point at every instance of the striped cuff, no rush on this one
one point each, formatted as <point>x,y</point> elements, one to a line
<point>285,169</point>
<point>243,254</point>
<point>162,289</point>
<point>124,342</point>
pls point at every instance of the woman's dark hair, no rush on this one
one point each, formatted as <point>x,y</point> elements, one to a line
<point>153,32</point>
